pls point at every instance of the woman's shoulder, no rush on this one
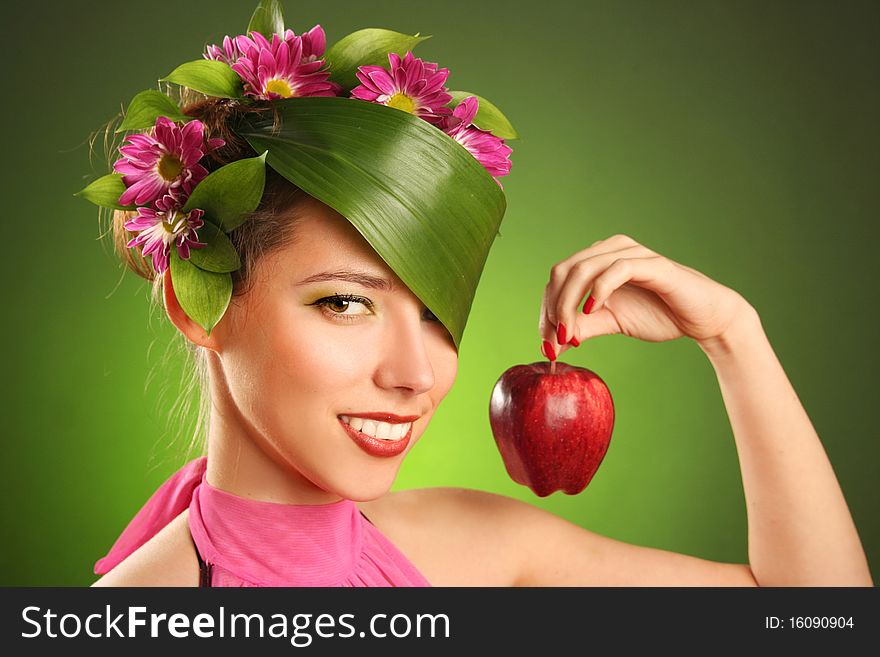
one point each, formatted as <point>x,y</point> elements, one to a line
<point>438,508</point>
<point>454,536</point>
<point>167,559</point>
<point>443,500</point>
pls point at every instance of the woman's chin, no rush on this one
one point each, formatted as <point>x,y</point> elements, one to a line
<point>366,486</point>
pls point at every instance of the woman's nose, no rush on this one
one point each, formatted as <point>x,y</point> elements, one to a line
<point>406,362</point>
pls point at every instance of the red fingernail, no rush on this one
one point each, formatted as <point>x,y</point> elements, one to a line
<point>548,350</point>
<point>588,306</point>
<point>560,333</point>
<point>574,341</point>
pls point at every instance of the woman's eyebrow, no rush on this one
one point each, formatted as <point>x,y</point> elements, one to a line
<point>352,276</point>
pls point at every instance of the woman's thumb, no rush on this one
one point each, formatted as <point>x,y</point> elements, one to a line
<point>598,322</point>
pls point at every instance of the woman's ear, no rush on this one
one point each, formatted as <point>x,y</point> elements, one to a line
<point>192,331</point>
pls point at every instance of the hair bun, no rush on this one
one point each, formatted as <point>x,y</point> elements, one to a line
<point>221,116</point>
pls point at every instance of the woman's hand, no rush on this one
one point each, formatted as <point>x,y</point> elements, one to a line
<point>633,291</point>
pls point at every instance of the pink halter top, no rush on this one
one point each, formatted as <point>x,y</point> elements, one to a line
<point>246,542</point>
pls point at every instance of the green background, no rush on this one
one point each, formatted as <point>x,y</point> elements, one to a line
<point>740,138</point>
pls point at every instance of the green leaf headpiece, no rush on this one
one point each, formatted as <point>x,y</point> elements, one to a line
<point>420,185</point>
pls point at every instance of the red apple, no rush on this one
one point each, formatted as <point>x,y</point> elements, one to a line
<point>552,429</point>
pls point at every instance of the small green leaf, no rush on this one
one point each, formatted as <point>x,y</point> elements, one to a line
<point>207,76</point>
<point>203,295</point>
<point>488,117</point>
<point>228,194</point>
<point>219,256</point>
<point>146,107</point>
<point>268,19</point>
<point>105,192</point>
<point>367,47</point>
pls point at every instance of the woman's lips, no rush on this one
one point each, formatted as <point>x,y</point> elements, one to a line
<point>377,446</point>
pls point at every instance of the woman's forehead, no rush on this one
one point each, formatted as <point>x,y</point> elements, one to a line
<point>327,243</point>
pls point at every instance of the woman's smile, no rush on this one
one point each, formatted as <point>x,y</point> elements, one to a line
<point>369,436</point>
<point>377,428</point>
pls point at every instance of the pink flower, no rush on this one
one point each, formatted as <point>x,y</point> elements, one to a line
<point>490,151</point>
<point>284,67</point>
<point>228,54</point>
<point>163,161</point>
<point>163,225</point>
<point>411,85</point>
<point>314,43</point>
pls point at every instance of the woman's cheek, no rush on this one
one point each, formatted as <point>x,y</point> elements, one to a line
<point>446,369</point>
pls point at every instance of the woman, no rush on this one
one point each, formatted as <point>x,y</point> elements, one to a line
<point>284,367</point>
<point>326,368</point>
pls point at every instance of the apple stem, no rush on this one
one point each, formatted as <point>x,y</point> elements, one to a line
<point>552,367</point>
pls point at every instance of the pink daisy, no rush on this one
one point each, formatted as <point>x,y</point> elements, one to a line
<point>284,67</point>
<point>411,85</point>
<point>314,43</point>
<point>163,161</point>
<point>228,54</point>
<point>163,225</point>
<point>490,151</point>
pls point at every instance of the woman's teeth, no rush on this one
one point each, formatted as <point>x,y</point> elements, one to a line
<point>381,430</point>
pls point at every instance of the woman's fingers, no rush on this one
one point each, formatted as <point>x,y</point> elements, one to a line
<point>603,275</point>
<point>560,273</point>
<point>572,278</point>
<point>613,243</point>
<point>581,276</point>
<point>655,273</point>
<point>562,302</point>
<point>548,324</point>
<point>600,322</point>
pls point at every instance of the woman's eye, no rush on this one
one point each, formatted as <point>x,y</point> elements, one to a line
<point>340,304</point>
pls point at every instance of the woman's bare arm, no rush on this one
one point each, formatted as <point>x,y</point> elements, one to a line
<point>800,529</point>
<point>801,532</point>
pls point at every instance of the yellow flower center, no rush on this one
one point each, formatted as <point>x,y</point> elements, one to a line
<point>280,87</point>
<point>402,102</point>
<point>169,166</point>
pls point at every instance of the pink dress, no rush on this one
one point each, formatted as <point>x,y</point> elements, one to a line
<point>242,542</point>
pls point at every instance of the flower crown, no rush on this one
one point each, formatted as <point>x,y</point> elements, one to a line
<point>182,214</point>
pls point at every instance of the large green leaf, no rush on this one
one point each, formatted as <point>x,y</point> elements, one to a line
<point>105,192</point>
<point>146,107</point>
<point>207,76</point>
<point>420,199</point>
<point>219,256</point>
<point>367,47</point>
<point>203,295</point>
<point>488,117</point>
<point>228,194</point>
<point>268,19</point>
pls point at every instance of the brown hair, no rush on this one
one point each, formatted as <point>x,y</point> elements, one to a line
<point>269,227</point>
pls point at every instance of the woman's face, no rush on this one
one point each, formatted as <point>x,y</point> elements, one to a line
<point>326,330</point>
